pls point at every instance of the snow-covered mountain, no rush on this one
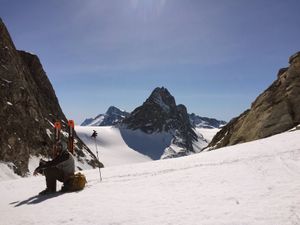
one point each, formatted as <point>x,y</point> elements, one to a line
<point>160,114</point>
<point>205,122</point>
<point>112,116</point>
<point>252,183</point>
<point>115,116</point>
<point>119,145</point>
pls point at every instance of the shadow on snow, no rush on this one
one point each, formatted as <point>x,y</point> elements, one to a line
<point>36,199</point>
<point>152,145</point>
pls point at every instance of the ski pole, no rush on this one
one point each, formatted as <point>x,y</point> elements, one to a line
<point>94,135</point>
<point>98,159</point>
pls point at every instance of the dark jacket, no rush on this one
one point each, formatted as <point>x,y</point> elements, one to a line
<point>64,161</point>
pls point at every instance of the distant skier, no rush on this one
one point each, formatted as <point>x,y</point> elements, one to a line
<point>61,168</point>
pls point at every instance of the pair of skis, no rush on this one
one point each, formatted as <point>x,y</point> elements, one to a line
<point>57,136</point>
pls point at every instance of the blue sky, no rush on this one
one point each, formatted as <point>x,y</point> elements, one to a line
<point>214,56</point>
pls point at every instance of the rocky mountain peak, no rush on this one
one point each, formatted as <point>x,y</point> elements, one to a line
<point>5,38</point>
<point>112,117</point>
<point>163,98</point>
<point>295,59</point>
<point>112,110</point>
<point>159,113</point>
<point>274,111</point>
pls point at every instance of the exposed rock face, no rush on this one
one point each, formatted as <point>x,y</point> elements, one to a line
<point>159,113</point>
<point>205,122</point>
<point>112,117</point>
<point>276,110</point>
<point>28,108</point>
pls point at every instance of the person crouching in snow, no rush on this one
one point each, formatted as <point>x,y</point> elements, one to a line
<point>61,168</point>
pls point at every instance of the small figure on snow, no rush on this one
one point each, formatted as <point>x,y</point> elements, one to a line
<point>61,168</point>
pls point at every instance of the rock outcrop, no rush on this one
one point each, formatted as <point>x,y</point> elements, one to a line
<point>29,108</point>
<point>276,110</point>
<point>205,122</point>
<point>159,113</point>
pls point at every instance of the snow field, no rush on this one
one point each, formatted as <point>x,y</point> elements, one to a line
<point>6,172</point>
<point>208,134</point>
<point>112,149</point>
<point>118,146</point>
<point>252,183</point>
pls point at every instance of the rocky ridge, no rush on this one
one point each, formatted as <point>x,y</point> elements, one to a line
<point>274,111</point>
<point>29,108</point>
<point>114,116</point>
<point>205,122</point>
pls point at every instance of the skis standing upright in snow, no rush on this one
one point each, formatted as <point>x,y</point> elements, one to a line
<point>71,136</point>
<point>57,128</point>
<point>57,136</point>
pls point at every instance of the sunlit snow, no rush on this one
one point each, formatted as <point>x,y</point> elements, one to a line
<point>252,183</point>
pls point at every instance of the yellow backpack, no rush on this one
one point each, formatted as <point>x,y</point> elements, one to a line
<point>76,182</point>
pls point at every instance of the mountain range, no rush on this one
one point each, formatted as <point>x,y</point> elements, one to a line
<point>205,122</point>
<point>29,107</point>
<point>159,115</point>
<point>114,116</point>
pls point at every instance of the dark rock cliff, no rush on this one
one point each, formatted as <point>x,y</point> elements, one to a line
<point>29,107</point>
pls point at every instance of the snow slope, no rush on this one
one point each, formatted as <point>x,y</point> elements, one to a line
<point>252,183</point>
<point>208,133</point>
<point>6,171</point>
<point>112,149</point>
<point>118,146</point>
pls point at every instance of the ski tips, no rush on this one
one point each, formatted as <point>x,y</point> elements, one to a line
<point>57,125</point>
<point>71,123</point>
<point>57,136</point>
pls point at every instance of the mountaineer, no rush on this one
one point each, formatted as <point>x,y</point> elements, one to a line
<point>61,168</point>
